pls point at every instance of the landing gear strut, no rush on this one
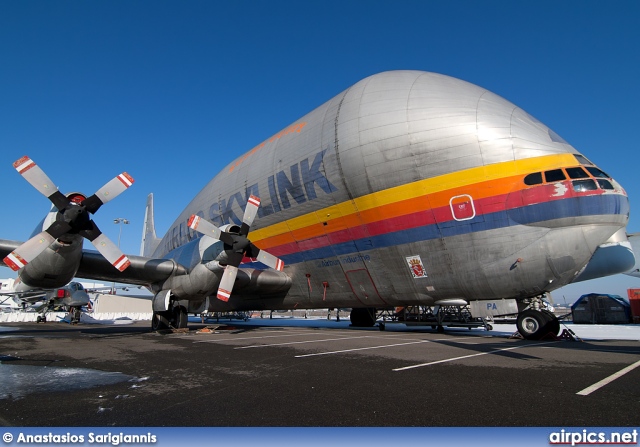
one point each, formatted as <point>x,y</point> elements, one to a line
<point>74,315</point>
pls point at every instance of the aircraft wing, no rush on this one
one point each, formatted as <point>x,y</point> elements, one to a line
<point>24,296</point>
<point>93,265</point>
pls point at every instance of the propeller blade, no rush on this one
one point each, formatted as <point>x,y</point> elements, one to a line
<point>111,252</point>
<point>226,283</point>
<point>270,261</point>
<point>250,212</point>
<point>28,251</point>
<point>32,173</point>
<point>110,191</point>
<point>203,226</point>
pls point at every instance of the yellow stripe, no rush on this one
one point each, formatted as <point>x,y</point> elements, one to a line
<point>411,190</point>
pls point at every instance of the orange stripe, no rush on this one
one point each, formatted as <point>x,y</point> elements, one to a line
<point>482,190</point>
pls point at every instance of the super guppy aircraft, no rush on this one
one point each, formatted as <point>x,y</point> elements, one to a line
<point>408,188</point>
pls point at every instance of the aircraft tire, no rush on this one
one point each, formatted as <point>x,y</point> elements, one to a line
<point>554,324</point>
<point>160,321</point>
<point>179,317</point>
<point>363,317</point>
<point>534,324</point>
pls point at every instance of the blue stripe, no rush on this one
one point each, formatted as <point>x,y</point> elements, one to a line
<point>604,204</point>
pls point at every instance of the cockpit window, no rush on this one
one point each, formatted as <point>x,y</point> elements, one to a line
<point>533,179</point>
<point>582,159</point>
<point>577,173</point>
<point>597,173</point>
<point>555,175</point>
<point>584,185</point>
<point>604,184</point>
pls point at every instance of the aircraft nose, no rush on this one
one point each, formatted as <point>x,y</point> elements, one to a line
<point>567,196</point>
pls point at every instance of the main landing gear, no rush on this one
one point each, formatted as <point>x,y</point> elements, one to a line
<point>176,318</point>
<point>74,315</point>
<point>363,317</point>
<point>534,321</point>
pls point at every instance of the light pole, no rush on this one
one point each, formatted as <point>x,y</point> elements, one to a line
<point>118,221</point>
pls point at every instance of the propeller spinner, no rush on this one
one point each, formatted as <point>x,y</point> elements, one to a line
<point>72,218</point>
<point>237,246</point>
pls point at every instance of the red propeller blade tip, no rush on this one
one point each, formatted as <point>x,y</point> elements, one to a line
<point>126,179</point>
<point>122,263</point>
<point>24,164</point>
<point>193,222</point>
<point>14,261</point>
<point>223,295</point>
<point>254,200</point>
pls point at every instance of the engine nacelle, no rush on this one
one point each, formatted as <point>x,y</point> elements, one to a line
<point>202,281</point>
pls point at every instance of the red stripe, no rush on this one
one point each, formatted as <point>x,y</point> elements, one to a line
<point>502,202</point>
<point>23,160</point>
<point>13,265</point>
<point>254,200</point>
<point>223,295</point>
<point>124,177</point>
<point>122,263</point>
<point>193,221</point>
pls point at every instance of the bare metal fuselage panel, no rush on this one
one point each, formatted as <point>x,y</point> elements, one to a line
<point>407,188</point>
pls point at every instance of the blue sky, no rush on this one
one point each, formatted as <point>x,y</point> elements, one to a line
<point>172,91</point>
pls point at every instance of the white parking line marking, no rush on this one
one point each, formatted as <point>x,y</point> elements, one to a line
<point>258,336</point>
<point>300,342</point>
<point>611,378</point>
<point>372,347</point>
<point>469,356</point>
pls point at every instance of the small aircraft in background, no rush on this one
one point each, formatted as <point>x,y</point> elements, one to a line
<point>71,298</point>
<point>407,189</point>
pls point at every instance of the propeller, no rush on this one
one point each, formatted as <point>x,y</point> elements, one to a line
<point>237,246</point>
<point>72,218</point>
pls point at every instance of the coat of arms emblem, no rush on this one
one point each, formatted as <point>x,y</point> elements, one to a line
<point>416,267</point>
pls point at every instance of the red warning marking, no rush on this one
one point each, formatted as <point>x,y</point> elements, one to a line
<point>223,295</point>
<point>126,179</point>
<point>122,263</point>
<point>193,222</point>
<point>14,261</point>
<point>24,164</point>
<point>254,200</point>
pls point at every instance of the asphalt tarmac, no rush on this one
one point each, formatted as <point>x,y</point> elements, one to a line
<point>245,374</point>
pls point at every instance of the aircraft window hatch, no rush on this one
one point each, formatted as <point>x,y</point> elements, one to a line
<point>584,185</point>
<point>598,173</point>
<point>582,159</point>
<point>555,175</point>
<point>533,179</point>
<point>605,184</point>
<point>462,207</point>
<point>576,173</point>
